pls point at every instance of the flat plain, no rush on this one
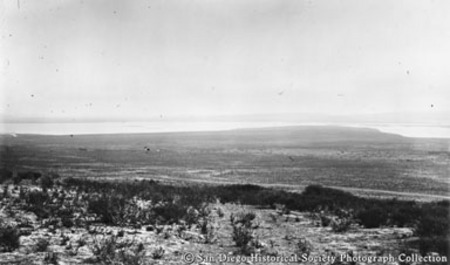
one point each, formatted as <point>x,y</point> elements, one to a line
<point>362,161</point>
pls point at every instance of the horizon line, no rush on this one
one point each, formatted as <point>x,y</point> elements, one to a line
<point>301,116</point>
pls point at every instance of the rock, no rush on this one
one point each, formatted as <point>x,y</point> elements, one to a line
<point>403,232</point>
<point>291,217</point>
<point>189,235</point>
<point>26,231</point>
<point>13,258</point>
<point>84,252</point>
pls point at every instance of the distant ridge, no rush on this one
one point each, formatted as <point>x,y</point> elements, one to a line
<point>323,133</point>
<point>290,135</point>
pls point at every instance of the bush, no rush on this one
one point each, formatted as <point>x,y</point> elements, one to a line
<point>341,225</point>
<point>36,203</point>
<point>46,182</point>
<point>9,238</point>
<point>5,191</point>
<point>208,230</point>
<point>372,217</point>
<point>439,244</point>
<point>37,198</point>
<point>51,258</point>
<point>433,232</point>
<point>158,253</point>
<point>5,174</point>
<point>105,250</point>
<point>42,245</point>
<point>405,215</point>
<point>108,208</point>
<point>171,212</point>
<point>16,180</point>
<point>67,222</point>
<point>30,175</point>
<point>111,252</point>
<point>433,225</point>
<point>325,220</point>
<point>304,246</point>
<point>243,231</point>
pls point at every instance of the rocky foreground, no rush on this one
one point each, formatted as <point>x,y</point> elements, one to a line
<point>229,234</point>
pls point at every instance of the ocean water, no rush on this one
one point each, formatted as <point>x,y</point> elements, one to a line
<point>415,130</point>
<point>128,127</point>
<point>408,130</point>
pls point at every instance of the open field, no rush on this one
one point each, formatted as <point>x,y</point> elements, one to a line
<point>363,161</point>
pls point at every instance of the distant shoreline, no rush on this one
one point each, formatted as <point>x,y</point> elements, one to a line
<point>100,128</point>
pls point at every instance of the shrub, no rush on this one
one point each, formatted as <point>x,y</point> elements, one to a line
<point>405,215</point>
<point>192,215</point>
<point>16,180</point>
<point>340,225</point>
<point>373,217</point>
<point>51,258</point>
<point>36,203</point>
<point>111,252</point>
<point>81,242</point>
<point>220,212</point>
<point>105,250</point>
<point>64,239</point>
<point>9,238</point>
<point>439,244</point>
<point>304,246</point>
<point>5,174</point>
<point>42,245</point>
<point>243,231</point>
<point>432,225</point>
<point>171,212</point>
<point>109,208</point>
<point>5,191</point>
<point>242,234</point>
<point>158,253</point>
<point>433,228</point>
<point>46,182</point>
<point>325,220</point>
<point>30,175</point>
<point>208,230</point>
<point>67,222</point>
<point>433,235</point>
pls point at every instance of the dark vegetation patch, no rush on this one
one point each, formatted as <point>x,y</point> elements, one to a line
<point>9,238</point>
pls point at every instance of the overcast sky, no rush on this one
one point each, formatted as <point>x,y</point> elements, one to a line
<point>145,58</point>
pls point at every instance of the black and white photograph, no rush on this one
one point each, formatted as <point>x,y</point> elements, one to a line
<point>213,132</point>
